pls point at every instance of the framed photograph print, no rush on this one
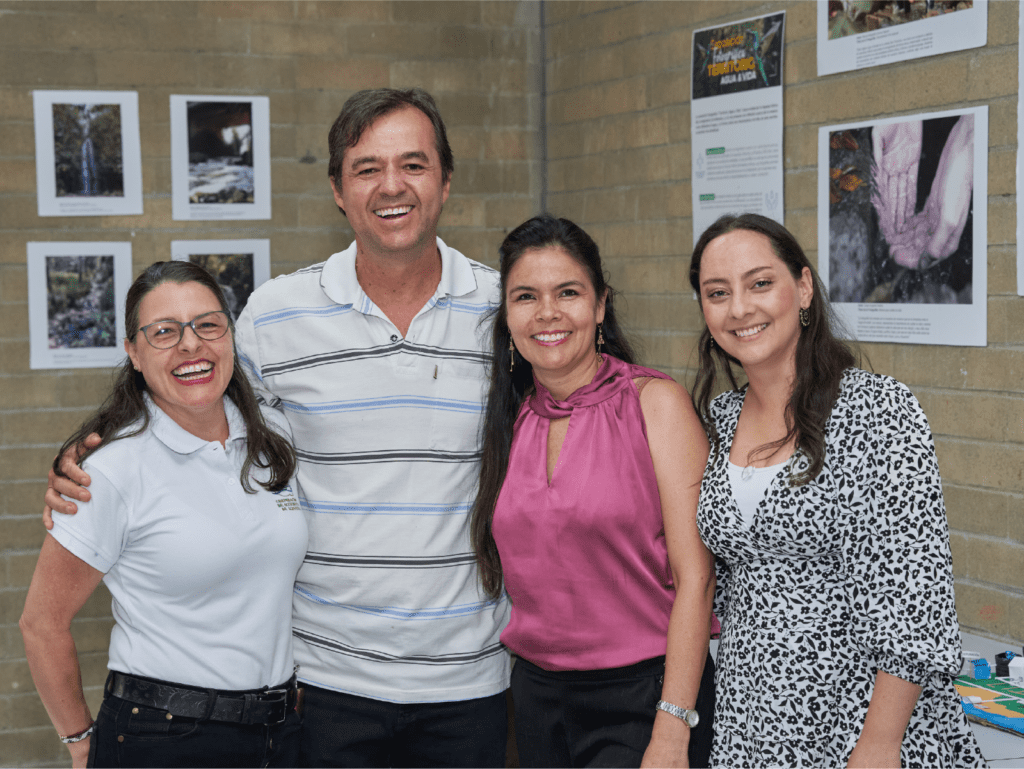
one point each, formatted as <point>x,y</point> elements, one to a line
<point>88,154</point>
<point>76,296</point>
<point>238,265</point>
<point>220,157</point>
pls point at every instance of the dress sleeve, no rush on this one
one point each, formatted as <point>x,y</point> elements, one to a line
<point>900,569</point>
<point>247,346</point>
<point>98,533</point>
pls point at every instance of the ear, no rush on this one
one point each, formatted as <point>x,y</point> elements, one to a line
<point>336,189</point>
<point>601,305</point>
<point>129,347</point>
<point>805,287</point>
<point>445,188</point>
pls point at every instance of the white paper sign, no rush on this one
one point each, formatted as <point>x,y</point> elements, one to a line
<point>902,226</point>
<point>860,35</point>
<point>736,120</point>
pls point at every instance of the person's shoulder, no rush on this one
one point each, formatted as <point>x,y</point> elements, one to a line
<point>871,388</point>
<point>123,451</point>
<point>285,288</point>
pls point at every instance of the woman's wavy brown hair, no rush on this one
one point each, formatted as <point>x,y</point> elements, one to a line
<point>125,406</point>
<point>821,357</point>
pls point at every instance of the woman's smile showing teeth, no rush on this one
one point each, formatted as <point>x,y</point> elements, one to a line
<point>552,337</point>
<point>194,372</point>
<point>744,333</point>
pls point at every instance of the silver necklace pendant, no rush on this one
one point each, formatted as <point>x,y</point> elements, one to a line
<point>748,473</point>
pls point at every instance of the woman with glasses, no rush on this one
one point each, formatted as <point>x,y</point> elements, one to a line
<point>194,527</point>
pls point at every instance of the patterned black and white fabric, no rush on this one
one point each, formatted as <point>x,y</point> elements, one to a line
<point>835,580</point>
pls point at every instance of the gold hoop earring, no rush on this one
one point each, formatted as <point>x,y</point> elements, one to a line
<point>805,317</point>
<point>511,355</point>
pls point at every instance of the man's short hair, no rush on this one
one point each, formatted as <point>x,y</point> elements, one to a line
<point>363,108</point>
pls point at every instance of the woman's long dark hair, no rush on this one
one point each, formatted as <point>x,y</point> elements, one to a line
<point>821,358</point>
<point>510,388</point>
<point>125,405</point>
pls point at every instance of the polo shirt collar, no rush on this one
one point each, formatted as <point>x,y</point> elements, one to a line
<point>181,441</point>
<point>338,277</point>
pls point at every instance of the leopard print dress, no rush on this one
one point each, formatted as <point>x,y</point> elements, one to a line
<point>833,581</point>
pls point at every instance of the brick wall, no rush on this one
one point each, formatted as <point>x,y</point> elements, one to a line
<point>617,79</point>
<point>479,59</point>
<point>615,156</point>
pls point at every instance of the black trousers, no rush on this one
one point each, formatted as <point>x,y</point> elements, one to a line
<point>346,730</point>
<point>130,735</point>
<point>599,717</point>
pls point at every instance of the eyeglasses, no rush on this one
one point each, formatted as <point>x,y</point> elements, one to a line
<point>165,334</point>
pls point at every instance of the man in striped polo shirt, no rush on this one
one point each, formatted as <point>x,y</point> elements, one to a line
<point>379,357</point>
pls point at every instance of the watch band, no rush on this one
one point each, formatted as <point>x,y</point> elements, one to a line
<point>691,717</point>
<point>73,738</point>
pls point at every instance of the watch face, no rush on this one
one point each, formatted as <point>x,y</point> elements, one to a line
<point>692,718</point>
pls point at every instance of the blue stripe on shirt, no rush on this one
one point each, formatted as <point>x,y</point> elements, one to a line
<point>290,313</point>
<point>393,402</point>
<point>405,615</point>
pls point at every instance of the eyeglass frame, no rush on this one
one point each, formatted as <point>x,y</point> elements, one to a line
<point>181,329</point>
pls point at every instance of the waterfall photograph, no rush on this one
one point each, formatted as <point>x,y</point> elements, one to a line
<point>234,274</point>
<point>87,150</point>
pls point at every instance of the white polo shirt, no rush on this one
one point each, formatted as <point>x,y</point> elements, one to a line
<point>200,572</point>
<point>387,431</point>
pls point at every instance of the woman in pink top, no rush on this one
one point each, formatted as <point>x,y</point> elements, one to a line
<point>587,518</point>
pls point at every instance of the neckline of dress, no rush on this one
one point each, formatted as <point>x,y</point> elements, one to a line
<point>607,382</point>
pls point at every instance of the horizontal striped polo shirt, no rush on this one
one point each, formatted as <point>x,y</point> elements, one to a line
<point>387,431</point>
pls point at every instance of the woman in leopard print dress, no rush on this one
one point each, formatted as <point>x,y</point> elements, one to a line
<point>823,505</point>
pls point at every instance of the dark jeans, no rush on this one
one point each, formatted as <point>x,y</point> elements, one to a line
<point>345,730</point>
<point>130,735</point>
<point>599,717</point>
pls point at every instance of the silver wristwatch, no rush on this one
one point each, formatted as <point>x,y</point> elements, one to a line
<point>691,717</point>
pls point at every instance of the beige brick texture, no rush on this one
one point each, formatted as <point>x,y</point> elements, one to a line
<point>617,79</point>
<point>480,59</point>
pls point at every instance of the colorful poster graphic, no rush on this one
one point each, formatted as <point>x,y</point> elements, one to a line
<point>736,120</point>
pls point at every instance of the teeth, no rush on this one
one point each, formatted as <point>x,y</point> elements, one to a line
<point>750,331</point>
<point>393,211</point>
<point>193,368</point>
<point>551,337</point>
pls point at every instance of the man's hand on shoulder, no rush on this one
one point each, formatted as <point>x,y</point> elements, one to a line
<point>73,485</point>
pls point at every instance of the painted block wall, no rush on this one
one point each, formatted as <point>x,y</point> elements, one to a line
<point>618,119</point>
<point>479,59</point>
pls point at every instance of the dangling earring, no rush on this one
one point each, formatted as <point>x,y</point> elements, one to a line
<point>805,317</point>
<point>511,355</point>
<point>600,338</point>
<point>712,345</point>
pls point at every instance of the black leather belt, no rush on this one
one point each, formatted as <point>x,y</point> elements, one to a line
<point>264,706</point>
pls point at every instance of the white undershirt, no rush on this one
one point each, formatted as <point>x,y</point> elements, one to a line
<point>749,485</point>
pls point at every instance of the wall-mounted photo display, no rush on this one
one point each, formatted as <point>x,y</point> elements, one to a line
<point>76,296</point>
<point>238,265</point>
<point>220,157</point>
<point>88,154</point>
<point>856,34</point>
<point>902,226</point>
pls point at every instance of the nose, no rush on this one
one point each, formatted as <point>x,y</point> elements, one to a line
<point>739,305</point>
<point>190,340</point>
<point>392,181</point>
<point>547,308</point>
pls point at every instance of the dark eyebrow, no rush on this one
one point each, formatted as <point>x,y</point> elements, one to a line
<point>559,286</point>
<point>748,274</point>
<point>414,155</point>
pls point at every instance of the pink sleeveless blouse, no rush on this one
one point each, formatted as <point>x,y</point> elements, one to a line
<point>584,557</point>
